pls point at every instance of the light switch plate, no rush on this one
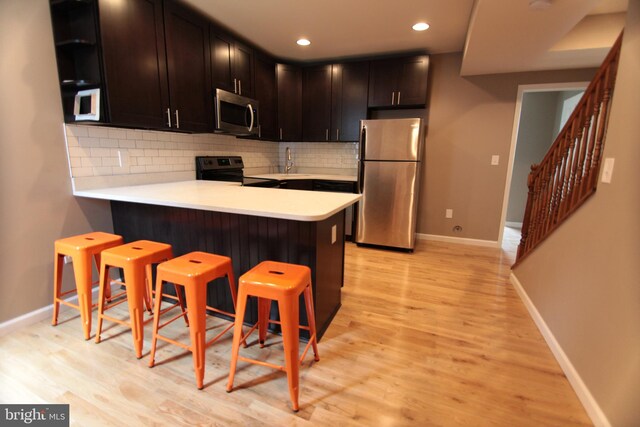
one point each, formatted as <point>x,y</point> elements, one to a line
<point>607,170</point>
<point>448,213</point>
<point>495,160</point>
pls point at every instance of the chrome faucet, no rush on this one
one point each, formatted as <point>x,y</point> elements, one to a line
<point>288,162</point>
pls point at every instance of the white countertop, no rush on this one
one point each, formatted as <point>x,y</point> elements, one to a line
<point>296,176</point>
<point>231,197</point>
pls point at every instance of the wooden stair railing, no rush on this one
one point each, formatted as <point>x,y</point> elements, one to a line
<point>568,174</point>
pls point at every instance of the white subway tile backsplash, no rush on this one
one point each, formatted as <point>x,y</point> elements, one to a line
<point>86,141</point>
<point>108,143</point>
<point>126,143</point>
<point>134,134</point>
<point>93,152</point>
<point>98,132</point>
<point>117,133</point>
<point>91,161</point>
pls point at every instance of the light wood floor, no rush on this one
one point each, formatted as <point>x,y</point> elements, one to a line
<point>438,337</point>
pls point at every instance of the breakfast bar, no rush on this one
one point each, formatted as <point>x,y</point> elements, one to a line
<point>247,224</point>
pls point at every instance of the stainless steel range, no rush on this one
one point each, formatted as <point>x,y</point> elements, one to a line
<point>228,168</point>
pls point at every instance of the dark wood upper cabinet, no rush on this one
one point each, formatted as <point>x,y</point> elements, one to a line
<point>316,103</point>
<point>231,63</point>
<point>399,82</point>
<point>157,65</point>
<point>266,94</point>
<point>349,92</point>
<point>188,66</point>
<point>289,80</point>
<point>334,100</point>
<point>222,60</point>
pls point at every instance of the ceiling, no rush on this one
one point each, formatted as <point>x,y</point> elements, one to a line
<point>496,36</point>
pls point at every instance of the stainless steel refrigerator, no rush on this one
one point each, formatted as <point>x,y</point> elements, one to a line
<point>388,179</point>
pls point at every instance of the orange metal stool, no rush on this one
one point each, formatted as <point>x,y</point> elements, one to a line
<point>135,259</point>
<point>81,249</point>
<point>284,283</point>
<point>193,271</point>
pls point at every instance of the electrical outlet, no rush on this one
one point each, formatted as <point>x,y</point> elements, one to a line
<point>334,233</point>
<point>495,160</point>
<point>68,259</point>
<point>448,213</point>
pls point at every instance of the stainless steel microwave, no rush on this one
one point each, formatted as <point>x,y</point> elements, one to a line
<point>235,114</point>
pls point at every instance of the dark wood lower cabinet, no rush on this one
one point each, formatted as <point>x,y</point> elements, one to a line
<point>247,240</point>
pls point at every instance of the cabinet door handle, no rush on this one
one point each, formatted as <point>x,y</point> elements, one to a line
<point>338,134</point>
<point>177,119</point>
<point>259,131</point>
<point>235,86</point>
<point>169,117</point>
<point>398,97</point>
<point>326,134</point>
<point>239,87</point>
<point>393,98</point>
<point>280,134</point>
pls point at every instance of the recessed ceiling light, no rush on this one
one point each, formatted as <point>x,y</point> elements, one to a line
<point>303,42</point>
<point>420,26</point>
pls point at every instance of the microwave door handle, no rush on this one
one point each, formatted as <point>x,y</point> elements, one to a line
<point>250,108</point>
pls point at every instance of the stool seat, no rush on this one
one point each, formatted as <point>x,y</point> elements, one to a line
<point>193,271</point>
<point>93,243</point>
<point>135,259</point>
<point>283,282</point>
<point>141,251</point>
<point>194,268</point>
<point>82,249</point>
<point>276,278</point>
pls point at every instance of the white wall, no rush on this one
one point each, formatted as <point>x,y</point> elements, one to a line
<point>36,205</point>
<point>584,279</point>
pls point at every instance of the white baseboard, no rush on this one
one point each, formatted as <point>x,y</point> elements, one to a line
<point>513,224</point>
<point>460,240</point>
<point>40,314</point>
<point>586,398</point>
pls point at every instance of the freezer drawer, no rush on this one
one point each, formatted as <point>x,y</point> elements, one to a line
<point>387,212</point>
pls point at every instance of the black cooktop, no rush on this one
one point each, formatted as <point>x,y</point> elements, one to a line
<point>230,169</point>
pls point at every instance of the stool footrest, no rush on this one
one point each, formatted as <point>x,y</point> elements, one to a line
<point>277,322</point>
<point>246,336</point>
<point>174,342</point>
<point>123,322</point>
<point>174,318</point>
<point>70,291</point>
<point>217,337</point>
<point>70,304</point>
<point>261,363</point>
<point>217,310</point>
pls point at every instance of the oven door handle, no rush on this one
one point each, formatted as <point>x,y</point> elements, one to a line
<point>250,108</point>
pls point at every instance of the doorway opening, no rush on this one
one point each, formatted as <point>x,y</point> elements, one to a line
<point>541,113</point>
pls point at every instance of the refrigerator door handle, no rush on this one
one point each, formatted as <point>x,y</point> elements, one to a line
<point>360,177</point>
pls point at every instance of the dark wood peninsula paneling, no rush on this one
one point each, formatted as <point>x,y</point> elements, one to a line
<point>247,240</point>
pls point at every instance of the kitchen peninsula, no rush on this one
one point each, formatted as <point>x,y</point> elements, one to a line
<point>248,224</point>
